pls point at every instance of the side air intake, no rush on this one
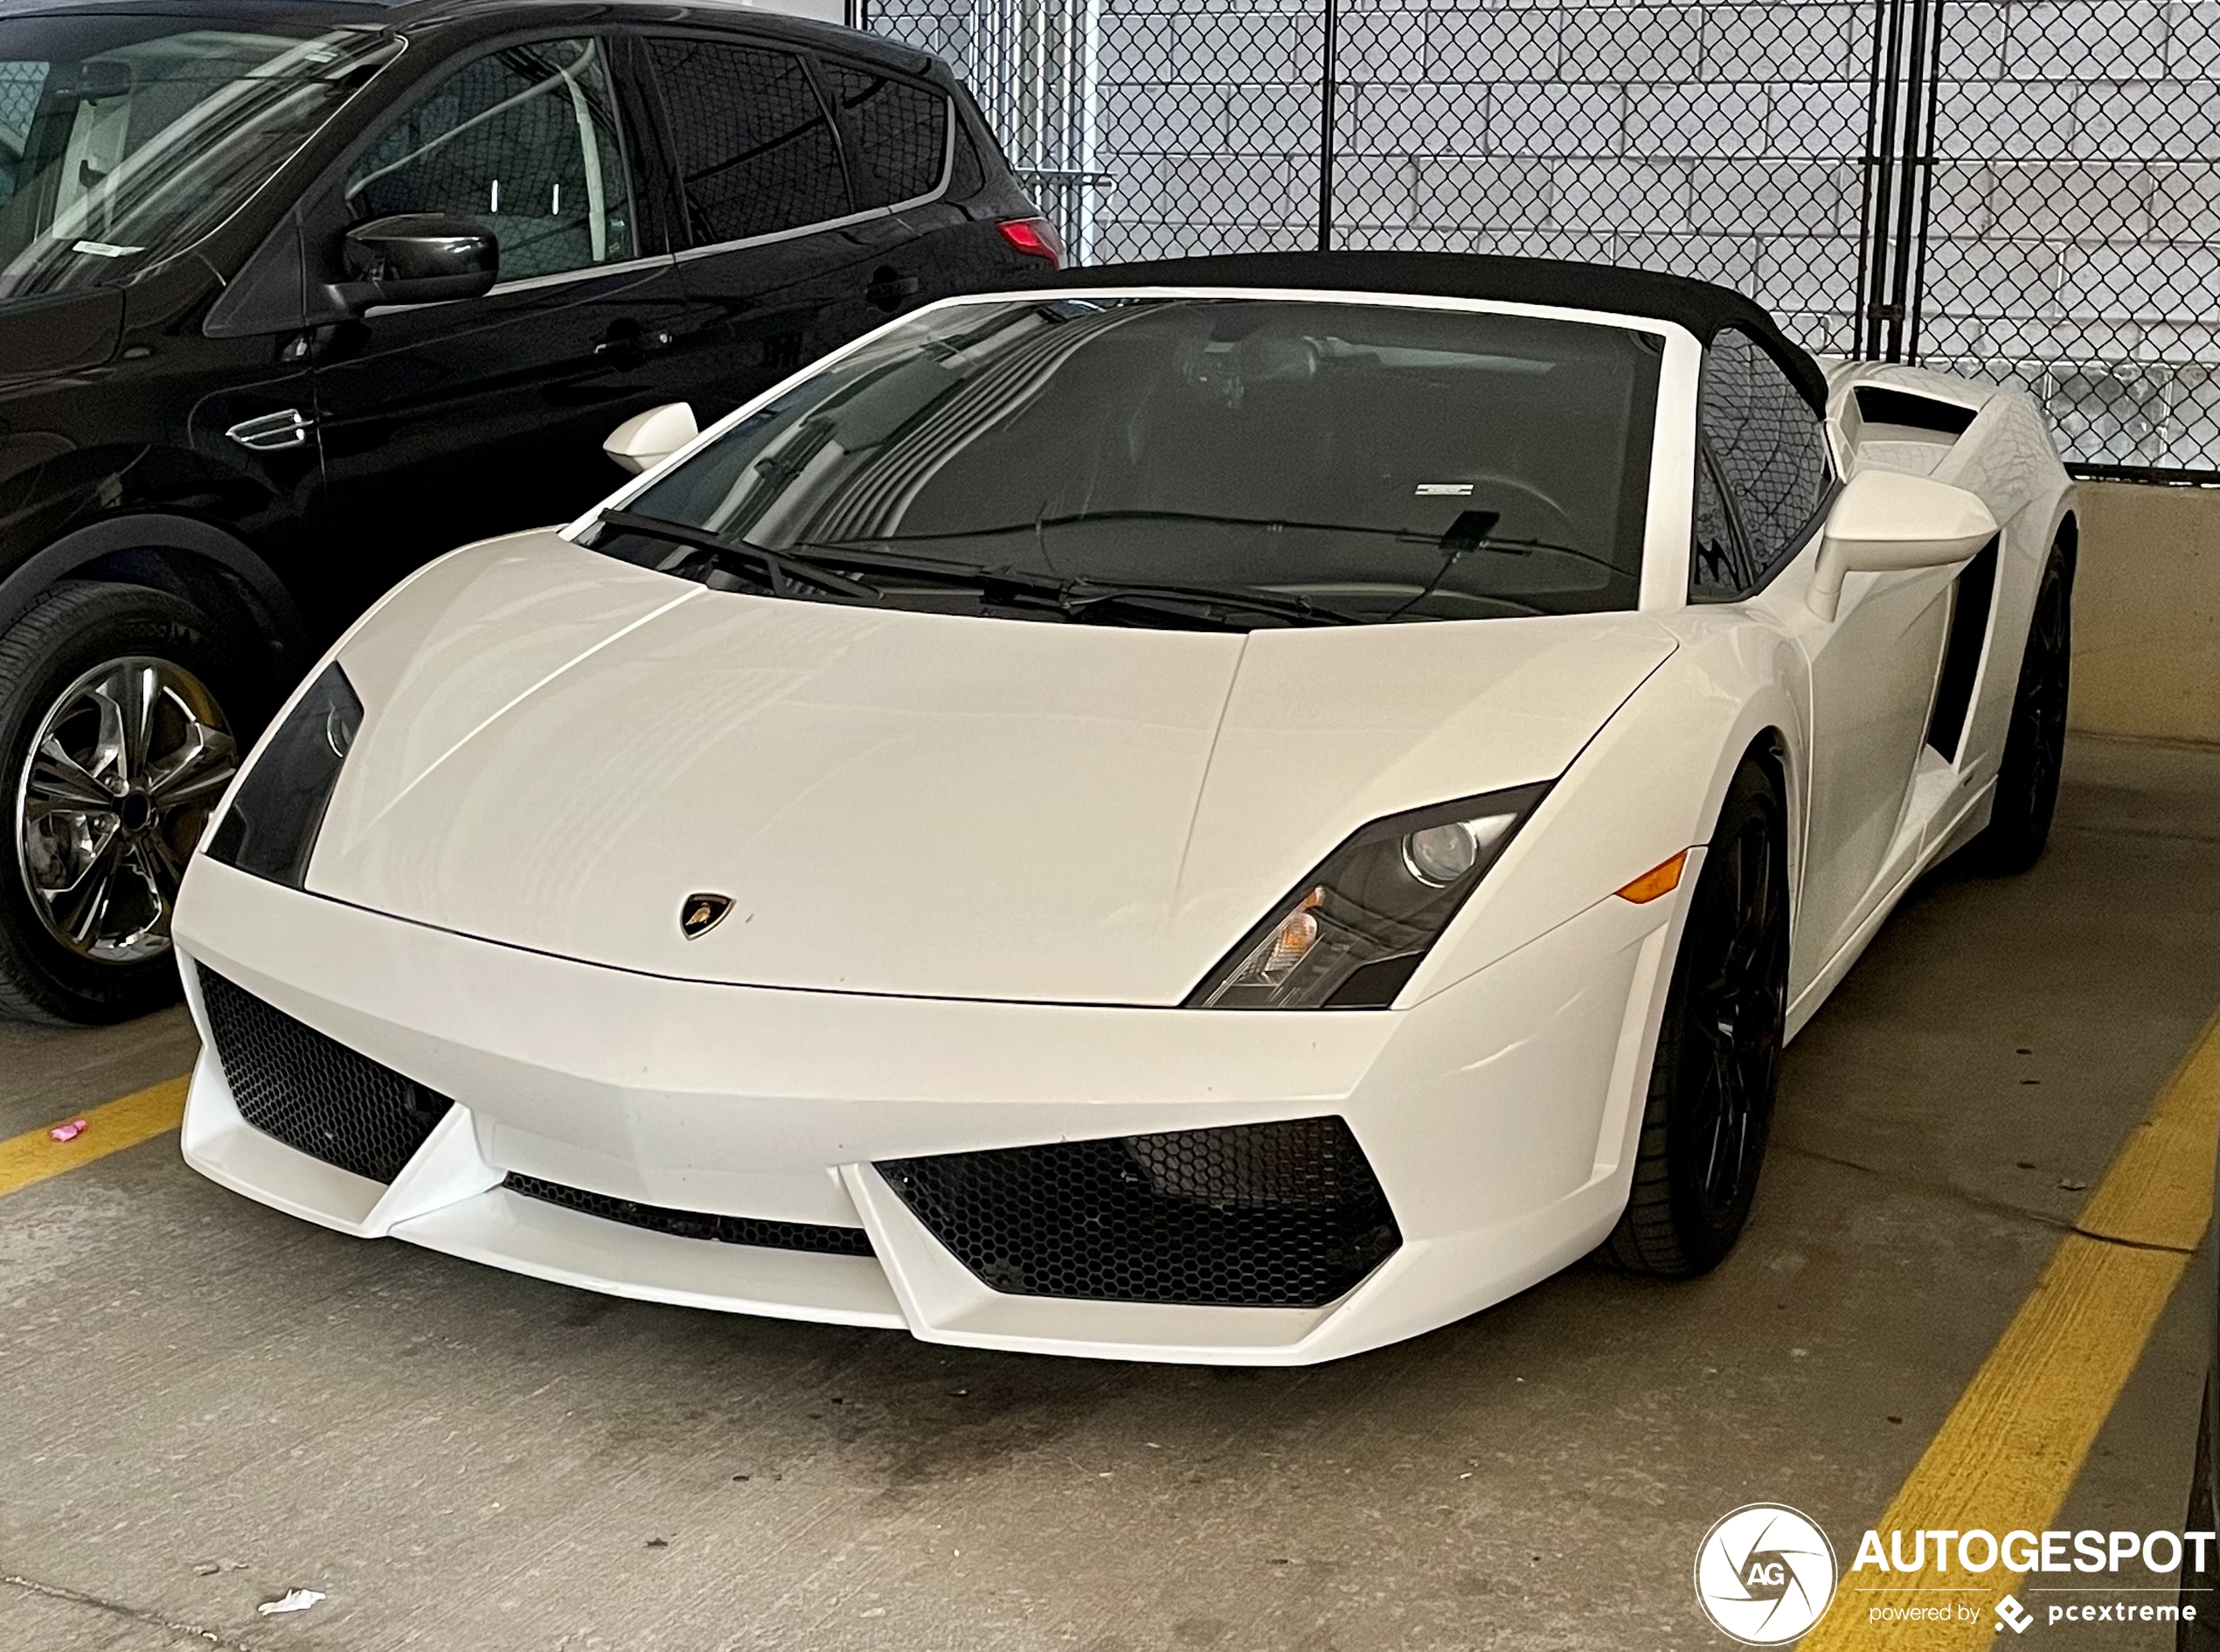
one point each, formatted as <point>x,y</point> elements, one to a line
<point>311,1091</point>
<point>1282,1215</point>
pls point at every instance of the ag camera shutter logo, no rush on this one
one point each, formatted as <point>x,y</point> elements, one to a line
<point>1765,1573</point>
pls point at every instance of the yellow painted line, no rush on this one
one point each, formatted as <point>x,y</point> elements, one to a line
<point>125,1122</point>
<point>2012,1446</point>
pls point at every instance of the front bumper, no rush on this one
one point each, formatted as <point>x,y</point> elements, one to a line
<point>1499,1116</point>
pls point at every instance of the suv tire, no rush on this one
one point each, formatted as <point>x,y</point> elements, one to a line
<point>127,700</point>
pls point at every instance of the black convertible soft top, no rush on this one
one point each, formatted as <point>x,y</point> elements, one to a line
<point>1701,307</point>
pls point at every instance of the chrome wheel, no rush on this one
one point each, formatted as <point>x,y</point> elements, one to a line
<point>125,768</point>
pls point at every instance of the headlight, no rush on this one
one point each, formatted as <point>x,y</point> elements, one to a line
<point>1352,932</point>
<point>271,827</point>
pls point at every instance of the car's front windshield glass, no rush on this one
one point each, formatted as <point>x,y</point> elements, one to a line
<point>1375,461</point>
<point>123,138</point>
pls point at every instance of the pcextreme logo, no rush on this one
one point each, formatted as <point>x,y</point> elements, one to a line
<point>1765,1573</point>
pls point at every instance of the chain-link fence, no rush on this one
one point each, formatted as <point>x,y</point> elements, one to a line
<point>2026,190</point>
<point>2073,232</point>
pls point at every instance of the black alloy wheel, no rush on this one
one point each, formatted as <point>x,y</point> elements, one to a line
<point>1711,1088</point>
<point>2035,743</point>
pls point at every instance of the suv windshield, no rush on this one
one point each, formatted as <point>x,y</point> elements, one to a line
<point>124,139</point>
<point>1333,462</point>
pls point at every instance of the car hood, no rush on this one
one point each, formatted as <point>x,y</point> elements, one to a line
<point>560,750</point>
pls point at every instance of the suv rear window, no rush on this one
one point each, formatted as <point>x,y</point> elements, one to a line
<point>756,150</point>
<point>902,129</point>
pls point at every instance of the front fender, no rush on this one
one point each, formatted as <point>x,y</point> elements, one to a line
<point>1648,786</point>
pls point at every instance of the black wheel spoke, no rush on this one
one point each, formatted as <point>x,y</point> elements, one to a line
<point>1735,1008</point>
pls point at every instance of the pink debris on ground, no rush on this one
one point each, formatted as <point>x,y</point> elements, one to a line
<point>68,1132</point>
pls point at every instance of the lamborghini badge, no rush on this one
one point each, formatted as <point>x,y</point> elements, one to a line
<point>699,914</point>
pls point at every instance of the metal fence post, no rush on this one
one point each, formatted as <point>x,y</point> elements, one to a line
<point>1328,77</point>
<point>1918,282</point>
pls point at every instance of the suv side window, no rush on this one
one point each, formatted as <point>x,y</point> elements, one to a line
<point>525,141</point>
<point>1771,454</point>
<point>21,82</point>
<point>757,153</point>
<point>902,130</point>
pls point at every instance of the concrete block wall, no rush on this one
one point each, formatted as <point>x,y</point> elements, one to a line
<point>2146,613</point>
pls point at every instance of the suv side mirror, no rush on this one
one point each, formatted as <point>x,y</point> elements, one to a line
<point>1891,519</point>
<point>646,439</point>
<point>422,257</point>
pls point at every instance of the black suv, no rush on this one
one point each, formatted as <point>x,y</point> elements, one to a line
<point>295,294</point>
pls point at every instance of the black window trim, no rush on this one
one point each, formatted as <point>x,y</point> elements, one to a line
<point>1708,466</point>
<point>841,137</point>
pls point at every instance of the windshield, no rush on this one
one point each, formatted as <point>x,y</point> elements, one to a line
<point>1375,463</point>
<point>124,139</point>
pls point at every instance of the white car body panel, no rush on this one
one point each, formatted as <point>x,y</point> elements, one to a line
<point>774,1103</point>
<point>748,744</point>
<point>558,747</point>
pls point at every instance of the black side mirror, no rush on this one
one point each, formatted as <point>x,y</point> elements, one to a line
<point>422,257</point>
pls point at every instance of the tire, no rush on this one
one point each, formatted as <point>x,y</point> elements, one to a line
<point>2027,780</point>
<point>1712,1082</point>
<point>85,892</point>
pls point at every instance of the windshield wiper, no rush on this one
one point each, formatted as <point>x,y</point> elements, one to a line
<point>1075,595</point>
<point>1503,543</point>
<point>781,569</point>
<point>1072,597</point>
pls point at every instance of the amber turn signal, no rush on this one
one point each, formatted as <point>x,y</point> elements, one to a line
<point>1661,879</point>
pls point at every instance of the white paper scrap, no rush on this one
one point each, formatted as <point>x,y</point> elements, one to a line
<point>292,1601</point>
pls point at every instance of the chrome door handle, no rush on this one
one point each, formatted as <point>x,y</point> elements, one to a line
<point>273,433</point>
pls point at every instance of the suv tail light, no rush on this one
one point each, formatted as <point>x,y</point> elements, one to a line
<point>1033,237</point>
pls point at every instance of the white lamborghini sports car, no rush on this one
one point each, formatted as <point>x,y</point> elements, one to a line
<point>1232,810</point>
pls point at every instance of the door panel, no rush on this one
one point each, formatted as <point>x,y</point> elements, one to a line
<point>755,314</point>
<point>449,423</point>
<point>781,261</point>
<point>442,423</point>
<point>1873,681</point>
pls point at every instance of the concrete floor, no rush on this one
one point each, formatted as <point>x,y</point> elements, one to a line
<point>463,1459</point>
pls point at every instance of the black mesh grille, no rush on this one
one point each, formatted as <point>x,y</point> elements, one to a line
<point>1285,1215</point>
<point>728,1230</point>
<point>291,1082</point>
